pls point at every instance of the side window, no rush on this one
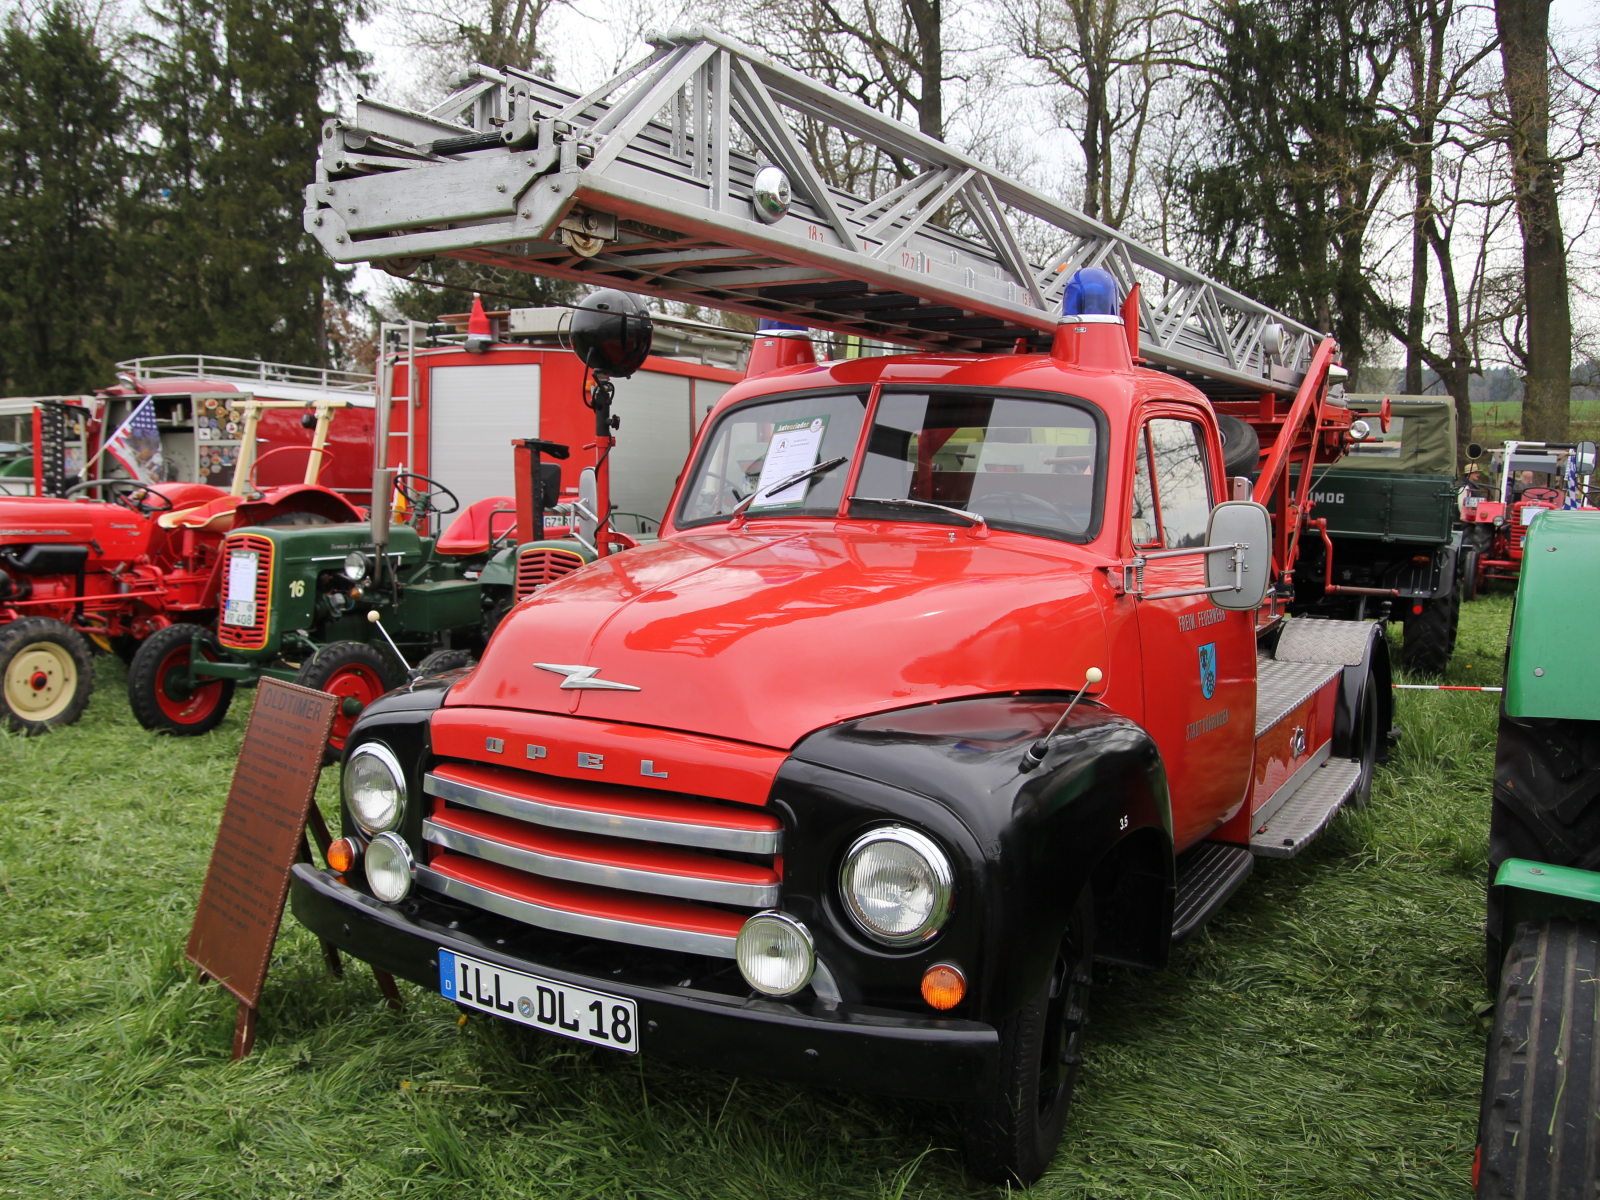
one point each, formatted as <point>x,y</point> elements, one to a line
<point>1183,482</point>
<point>1144,527</point>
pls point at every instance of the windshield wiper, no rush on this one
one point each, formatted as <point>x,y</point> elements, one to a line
<point>978,523</point>
<point>736,518</point>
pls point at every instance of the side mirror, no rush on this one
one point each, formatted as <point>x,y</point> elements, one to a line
<point>589,498</point>
<point>1585,454</point>
<point>1247,572</point>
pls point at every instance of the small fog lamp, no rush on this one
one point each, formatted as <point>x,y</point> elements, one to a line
<point>389,864</point>
<point>342,855</point>
<point>374,787</point>
<point>943,985</point>
<point>355,566</point>
<point>897,883</point>
<point>775,954</point>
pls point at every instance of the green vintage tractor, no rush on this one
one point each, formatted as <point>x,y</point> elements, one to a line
<point>1539,1125</point>
<point>352,609</point>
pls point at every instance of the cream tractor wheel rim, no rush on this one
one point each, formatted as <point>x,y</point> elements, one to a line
<point>41,681</point>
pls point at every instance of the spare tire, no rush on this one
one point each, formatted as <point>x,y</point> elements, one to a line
<point>1241,448</point>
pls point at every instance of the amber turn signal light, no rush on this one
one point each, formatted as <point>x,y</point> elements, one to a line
<point>342,858</point>
<point>943,985</point>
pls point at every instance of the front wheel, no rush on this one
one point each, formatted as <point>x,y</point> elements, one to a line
<point>1469,577</point>
<point>355,674</point>
<point>1012,1134</point>
<point>46,674</point>
<point>1430,635</point>
<point>1539,1133</point>
<point>164,697</point>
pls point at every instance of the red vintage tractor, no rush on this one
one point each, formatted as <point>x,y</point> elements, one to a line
<point>1523,478</point>
<point>78,569</point>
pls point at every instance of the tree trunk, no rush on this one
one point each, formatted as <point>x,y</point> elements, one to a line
<point>925,17</point>
<point>1524,27</point>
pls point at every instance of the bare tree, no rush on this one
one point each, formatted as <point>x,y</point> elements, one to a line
<point>1110,60</point>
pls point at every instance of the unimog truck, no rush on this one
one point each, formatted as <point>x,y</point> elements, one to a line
<point>1386,542</point>
<point>1539,1125</point>
<point>952,673</point>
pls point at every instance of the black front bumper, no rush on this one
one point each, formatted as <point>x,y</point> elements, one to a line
<point>858,1049</point>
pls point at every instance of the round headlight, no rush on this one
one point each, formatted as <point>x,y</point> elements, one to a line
<point>355,566</point>
<point>896,884</point>
<point>374,787</point>
<point>389,864</point>
<point>775,954</point>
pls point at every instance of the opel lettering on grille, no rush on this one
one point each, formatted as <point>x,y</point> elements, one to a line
<point>584,678</point>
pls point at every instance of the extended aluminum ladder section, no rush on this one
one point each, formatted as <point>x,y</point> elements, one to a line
<point>648,184</point>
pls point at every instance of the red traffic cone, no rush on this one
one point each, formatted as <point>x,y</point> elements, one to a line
<point>479,339</point>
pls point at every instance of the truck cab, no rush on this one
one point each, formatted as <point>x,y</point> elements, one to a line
<point>927,698</point>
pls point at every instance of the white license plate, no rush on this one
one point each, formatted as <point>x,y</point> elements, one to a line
<point>240,606</point>
<point>572,1012</point>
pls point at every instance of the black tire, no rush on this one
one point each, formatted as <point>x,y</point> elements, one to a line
<point>1011,1136</point>
<point>46,674</point>
<point>1241,446</point>
<point>1368,736</point>
<point>1469,576</point>
<point>1430,635</point>
<point>356,674</point>
<point>160,697</point>
<point>441,661</point>
<point>1539,1133</point>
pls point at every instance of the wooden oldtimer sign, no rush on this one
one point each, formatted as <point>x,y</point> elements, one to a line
<point>261,836</point>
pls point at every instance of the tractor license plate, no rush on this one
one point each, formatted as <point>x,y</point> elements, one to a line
<point>240,608</point>
<point>577,1013</point>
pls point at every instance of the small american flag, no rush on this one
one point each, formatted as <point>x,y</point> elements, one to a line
<point>137,444</point>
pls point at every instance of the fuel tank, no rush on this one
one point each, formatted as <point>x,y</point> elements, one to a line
<point>764,635</point>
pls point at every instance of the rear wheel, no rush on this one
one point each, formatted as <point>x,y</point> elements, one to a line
<point>356,675</point>
<point>1368,743</point>
<point>1012,1134</point>
<point>46,674</point>
<point>162,694</point>
<point>441,661</point>
<point>1540,1129</point>
<point>1430,635</point>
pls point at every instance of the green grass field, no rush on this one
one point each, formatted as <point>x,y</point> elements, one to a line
<point>1495,424</point>
<point>1322,1038</point>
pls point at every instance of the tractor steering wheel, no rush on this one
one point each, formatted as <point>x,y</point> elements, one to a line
<point>1547,495</point>
<point>130,494</point>
<point>421,499</point>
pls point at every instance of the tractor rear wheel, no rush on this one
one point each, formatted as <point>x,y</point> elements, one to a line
<point>46,674</point>
<point>441,661</point>
<point>1012,1134</point>
<point>354,673</point>
<point>1540,1129</point>
<point>162,695</point>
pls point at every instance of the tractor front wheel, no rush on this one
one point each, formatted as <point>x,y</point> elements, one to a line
<point>161,692</point>
<point>354,673</point>
<point>46,674</point>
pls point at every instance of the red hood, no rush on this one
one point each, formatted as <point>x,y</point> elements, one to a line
<point>764,636</point>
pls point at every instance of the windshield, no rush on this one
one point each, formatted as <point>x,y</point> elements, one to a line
<point>1029,464</point>
<point>762,444</point>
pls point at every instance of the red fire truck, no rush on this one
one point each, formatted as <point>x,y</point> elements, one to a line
<point>951,674</point>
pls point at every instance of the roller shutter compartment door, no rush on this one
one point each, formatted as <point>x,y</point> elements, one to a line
<point>474,412</point>
<point>651,444</point>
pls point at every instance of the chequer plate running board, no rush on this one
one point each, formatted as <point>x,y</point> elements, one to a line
<point>1207,875</point>
<point>1307,813</point>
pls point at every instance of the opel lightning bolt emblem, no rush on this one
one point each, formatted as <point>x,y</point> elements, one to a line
<point>584,677</point>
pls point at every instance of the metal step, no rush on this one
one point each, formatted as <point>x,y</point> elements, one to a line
<point>1282,687</point>
<point>1207,875</point>
<point>1308,811</point>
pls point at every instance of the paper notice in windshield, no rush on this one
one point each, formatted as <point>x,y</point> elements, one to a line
<point>795,446</point>
<point>239,606</point>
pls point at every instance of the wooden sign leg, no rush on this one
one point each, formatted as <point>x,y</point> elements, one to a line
<point>390,992</point>
<point>330,955</point>
<point>244,1031</point>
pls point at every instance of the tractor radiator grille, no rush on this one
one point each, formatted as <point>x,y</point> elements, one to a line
<point>254,635</point>
<point>538,567</point>
<point>619,863</point>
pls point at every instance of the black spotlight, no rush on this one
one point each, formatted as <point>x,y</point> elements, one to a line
<point>611,332</point>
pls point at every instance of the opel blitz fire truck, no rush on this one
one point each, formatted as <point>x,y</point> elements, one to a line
<point>952,672</point>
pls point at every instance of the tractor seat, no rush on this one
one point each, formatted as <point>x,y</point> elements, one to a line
<point>470,533</point>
